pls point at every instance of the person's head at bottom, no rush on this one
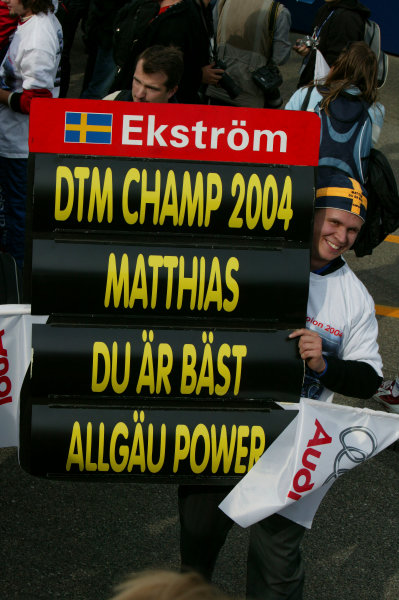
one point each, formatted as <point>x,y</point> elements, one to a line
<point>167,585</point>
<point>157,74</point>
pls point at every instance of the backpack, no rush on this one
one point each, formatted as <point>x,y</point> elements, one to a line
<point>346,135</point>
<point>382,204</point>
<point>372,37</point>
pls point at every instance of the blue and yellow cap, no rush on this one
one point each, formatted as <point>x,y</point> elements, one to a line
<point>337,190</point>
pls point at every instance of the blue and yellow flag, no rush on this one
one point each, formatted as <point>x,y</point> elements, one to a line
<point>88,128</point>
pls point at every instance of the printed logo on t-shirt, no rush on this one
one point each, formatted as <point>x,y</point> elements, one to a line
<point>331,336</point>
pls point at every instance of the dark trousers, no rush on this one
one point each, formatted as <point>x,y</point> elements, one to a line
<point>13,190</point>
<point>274,567</point>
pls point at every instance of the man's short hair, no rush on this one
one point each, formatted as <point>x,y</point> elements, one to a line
<point>38,6</point>
<point>163,59</point>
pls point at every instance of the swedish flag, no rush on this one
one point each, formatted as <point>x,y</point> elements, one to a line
<point>88,128</point>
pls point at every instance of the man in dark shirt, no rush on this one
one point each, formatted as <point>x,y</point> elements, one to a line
<point>337,23</point>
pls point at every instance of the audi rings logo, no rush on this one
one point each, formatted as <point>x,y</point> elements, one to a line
<point>358,444</point>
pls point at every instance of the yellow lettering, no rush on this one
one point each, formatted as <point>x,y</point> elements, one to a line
<point>239,352</point>
<point>146,375</point>
<point>223,370</point>
<point>101,199</point>
<point>100,348</point>
<point>62,214</point>
<point>155,262</point>
<point>199,431</point>
<point>242,451</point>
<point>119,388</point>
<point>232,285</point>
<point>194,202</point>
<point>188,369</point>
<point>89,466</point>
<point>169,204</point>
<point>139,286</point>
<point>115,284</point>
<point>119,429</point>
<point>181,451</point>
<point>150,196</point>
<point>187,283</point>
<point>81,174</point>
<point>257,447</point>
<point>214,291</point>
<point>102,466</point>
<point>212,201</point>
<point>164,369</point>
<point>223,448</point>
<point>152,467</point>
<point>170,262</point>
<point>75,455</point>
<point>130,217</point>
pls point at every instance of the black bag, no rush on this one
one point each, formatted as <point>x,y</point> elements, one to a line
<point>10,280</point>
<point>382,204</point>
<point>269,76</point>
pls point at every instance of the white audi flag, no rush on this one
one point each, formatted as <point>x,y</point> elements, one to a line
<point>322,442</point>
<point>15,353</point>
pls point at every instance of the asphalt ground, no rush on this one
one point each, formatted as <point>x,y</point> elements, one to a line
<point>68,540</point>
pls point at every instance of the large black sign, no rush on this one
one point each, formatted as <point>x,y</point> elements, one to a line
<point>171,287</point>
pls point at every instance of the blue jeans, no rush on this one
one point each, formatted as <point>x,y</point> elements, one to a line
<point>103,75</point>
<point>13,190</point>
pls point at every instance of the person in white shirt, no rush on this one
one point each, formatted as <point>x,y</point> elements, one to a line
<point>340,351</point>
<point>29,70</point>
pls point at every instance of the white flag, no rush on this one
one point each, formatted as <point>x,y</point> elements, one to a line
<point>320,444</point>
<point>322,68</point>
<point>15,353</point>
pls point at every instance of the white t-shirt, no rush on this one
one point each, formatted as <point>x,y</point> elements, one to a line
<point>31,62</point>
<point>342,312</point>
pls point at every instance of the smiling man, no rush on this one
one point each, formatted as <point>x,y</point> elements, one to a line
<point>156,76</point>
<point>340,351</point>
<point>339,345</point>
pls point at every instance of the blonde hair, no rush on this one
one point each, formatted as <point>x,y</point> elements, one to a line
<point>167,585</point>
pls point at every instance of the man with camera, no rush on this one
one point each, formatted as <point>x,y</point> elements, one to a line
<point>337,23</point>
<point>250,35</point>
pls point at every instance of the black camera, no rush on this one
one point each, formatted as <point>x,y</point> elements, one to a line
<point>227,82</point>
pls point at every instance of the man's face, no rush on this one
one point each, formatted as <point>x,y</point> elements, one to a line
<point>335,231</point>
<point>17,9</point>
<point>150,87</point>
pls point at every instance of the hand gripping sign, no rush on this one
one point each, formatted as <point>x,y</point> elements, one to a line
<point>170,247</point>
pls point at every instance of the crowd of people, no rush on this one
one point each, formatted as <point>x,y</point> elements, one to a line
<point>203,52</point>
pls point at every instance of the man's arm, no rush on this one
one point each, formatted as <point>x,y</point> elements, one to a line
<point>350,378</point>
<point>281,40</point>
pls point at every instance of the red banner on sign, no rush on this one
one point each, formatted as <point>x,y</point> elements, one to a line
<point>174,131</point>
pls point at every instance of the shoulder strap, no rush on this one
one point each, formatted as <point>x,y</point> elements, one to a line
<point>272,25</point>
<point>306,99</point>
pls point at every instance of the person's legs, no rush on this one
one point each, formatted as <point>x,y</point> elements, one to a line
<point>203,526</point>
<point>13,184</point>
<point>102,76</point>
<point>275,569</point>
